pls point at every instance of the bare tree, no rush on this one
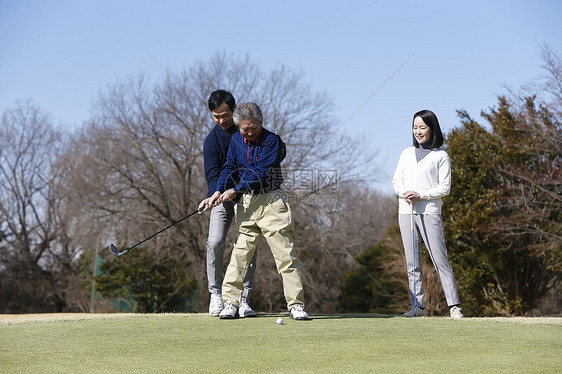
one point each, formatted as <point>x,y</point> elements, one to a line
<point>342,231</point>
<point>37,255</point>
<point>548,86</point>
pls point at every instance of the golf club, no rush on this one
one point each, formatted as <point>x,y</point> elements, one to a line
<point>113,249</point>
<point>413,258</point>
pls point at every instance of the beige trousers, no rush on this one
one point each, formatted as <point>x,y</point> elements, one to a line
<point>267,215</point>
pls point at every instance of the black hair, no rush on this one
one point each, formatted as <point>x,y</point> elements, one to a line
<point>430,119</point>
<point>220,97</point>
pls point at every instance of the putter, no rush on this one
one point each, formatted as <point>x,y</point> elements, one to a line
<point>113,249</point>
<point>413,258</point>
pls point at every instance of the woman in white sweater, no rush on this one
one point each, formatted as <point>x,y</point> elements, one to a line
<point>421,179</point>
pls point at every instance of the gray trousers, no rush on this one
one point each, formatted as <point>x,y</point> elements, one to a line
<point>430,228</point>
<point>221,217</point>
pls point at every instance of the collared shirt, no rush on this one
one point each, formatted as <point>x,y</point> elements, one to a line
<point>252,166</point>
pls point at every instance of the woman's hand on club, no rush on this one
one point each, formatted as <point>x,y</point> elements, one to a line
<point>411,196</point>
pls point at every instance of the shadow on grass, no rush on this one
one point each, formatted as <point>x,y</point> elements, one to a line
<point>352,315</point>
<point>335,316</point>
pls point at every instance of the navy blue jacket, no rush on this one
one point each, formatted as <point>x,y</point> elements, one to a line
<point>215,150</point>
<point>253,166</point>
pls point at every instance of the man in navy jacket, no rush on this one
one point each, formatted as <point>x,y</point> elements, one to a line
<point>221,104</point>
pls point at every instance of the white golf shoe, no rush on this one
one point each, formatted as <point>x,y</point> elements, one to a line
<point>298,313</point>
<point>229,311</point>
<point>456,313</point>
<point>216,305</point>
<point>415,312</point>
<point>244,310</point>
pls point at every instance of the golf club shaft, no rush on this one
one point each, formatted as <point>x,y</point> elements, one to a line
<point>415,302</point>
<point>164,229</point>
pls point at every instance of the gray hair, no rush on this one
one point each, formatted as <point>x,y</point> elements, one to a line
<point>247,111</point>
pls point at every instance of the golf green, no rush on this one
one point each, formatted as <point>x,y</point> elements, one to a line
<point>198,343</point>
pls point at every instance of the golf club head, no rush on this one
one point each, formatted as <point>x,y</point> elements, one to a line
<point>113,249</point>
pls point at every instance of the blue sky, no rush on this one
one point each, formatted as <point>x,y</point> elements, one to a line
<point>62,53</point>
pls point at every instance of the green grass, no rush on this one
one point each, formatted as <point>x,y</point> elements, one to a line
<point>197,343</point>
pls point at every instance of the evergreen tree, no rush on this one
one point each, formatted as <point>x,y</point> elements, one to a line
<point>502,219</point>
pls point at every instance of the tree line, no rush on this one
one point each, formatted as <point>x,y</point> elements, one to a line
<point>136,166</point>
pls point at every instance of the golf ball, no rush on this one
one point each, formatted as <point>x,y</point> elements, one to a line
<point>279,321</point>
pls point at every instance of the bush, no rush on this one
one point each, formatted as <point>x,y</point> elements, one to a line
<point>149,283</point>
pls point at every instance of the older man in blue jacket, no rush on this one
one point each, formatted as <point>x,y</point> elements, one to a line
<point>252,172</point>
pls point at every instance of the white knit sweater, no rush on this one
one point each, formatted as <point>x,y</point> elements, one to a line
<point>431,178</point>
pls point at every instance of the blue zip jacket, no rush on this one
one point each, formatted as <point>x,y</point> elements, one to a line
<point>253,166</point>
<point>215,150</point>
